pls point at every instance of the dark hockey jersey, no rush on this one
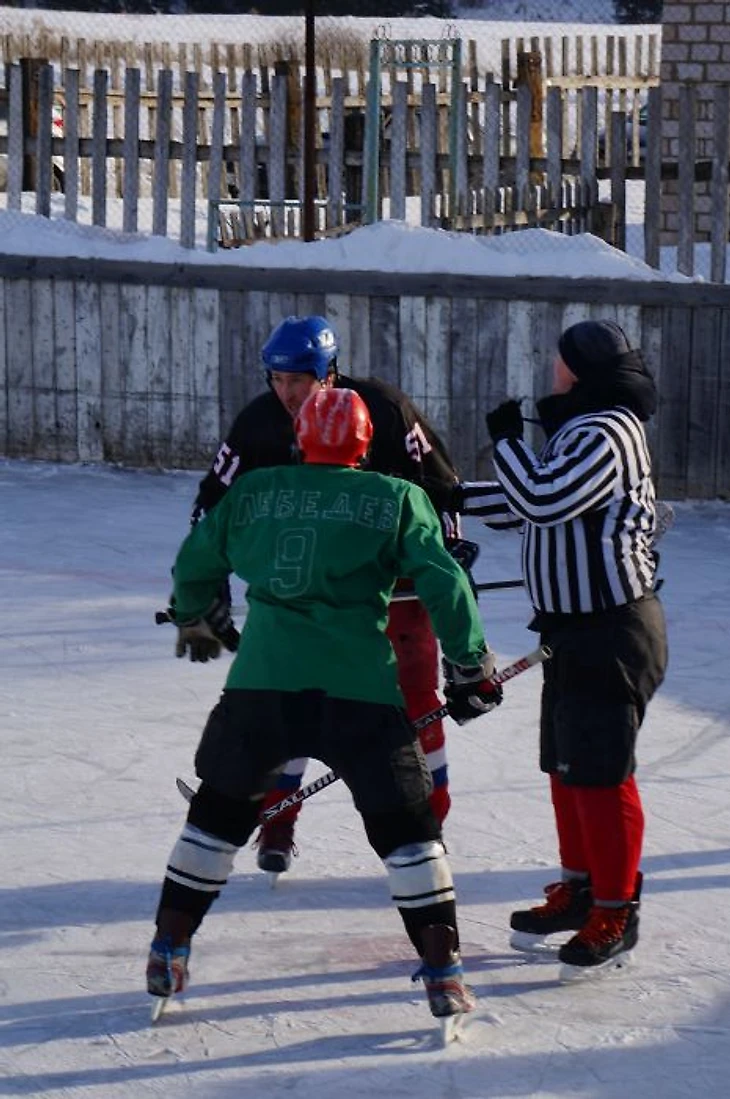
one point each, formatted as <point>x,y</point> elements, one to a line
<point>404,445</point>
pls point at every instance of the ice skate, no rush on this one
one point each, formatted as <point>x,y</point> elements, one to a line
<point>167,972</point>
<point>449,998</point>
<point>603,944</point>
<point>566,908</point>
<point>276,847</point>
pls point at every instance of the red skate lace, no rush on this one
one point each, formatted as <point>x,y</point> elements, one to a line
<point>604,925</point>
<point>559,897</point>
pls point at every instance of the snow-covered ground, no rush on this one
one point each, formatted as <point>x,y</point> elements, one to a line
<point>305,991</point>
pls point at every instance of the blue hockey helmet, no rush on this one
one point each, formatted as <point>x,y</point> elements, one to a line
<point>305,345</point>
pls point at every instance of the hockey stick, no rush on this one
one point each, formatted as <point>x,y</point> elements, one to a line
<point>304,792</point>
<point>498,585</point>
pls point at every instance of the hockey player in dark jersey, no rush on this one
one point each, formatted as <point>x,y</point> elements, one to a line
<point>320,546</point>
<point>299,357</point>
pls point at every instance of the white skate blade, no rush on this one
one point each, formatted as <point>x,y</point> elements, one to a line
<point>158,1008</point>
<point>273,876</point>
<point>574,974</point>
<point>184,788</point>
<point>533,944</point>
<point>452,1028</point>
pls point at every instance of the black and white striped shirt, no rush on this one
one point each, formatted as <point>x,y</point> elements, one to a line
<point>587,503</point>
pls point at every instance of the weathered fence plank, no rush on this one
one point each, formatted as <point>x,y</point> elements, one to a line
<point>189,163</point>
<point>71,145</point>
<point>464,371</point>
<point>43,164</point>
<point>4,442</point>
<point>183,437</point>
<point>673,443</point>
<point>437,364</point>
<point>336,179</point>
<point>133,350</point>
<point>385,346</point>
<point>702,414</point>
<point>92,343</point>
<point>398,151</point>
<point>64,354</point>
<point>19,334</point>
<point>362,358</point>
<point>159,375</point>
<point>412,324</point>
<point>163,133</point>
<point>491,377</point>
<point>719,186</point>
<point>722,443</point>
<point>429,147</point>
<point>15,137</point>
<point>42,368</point>
<point>206,350</point>
<point>98,142</point>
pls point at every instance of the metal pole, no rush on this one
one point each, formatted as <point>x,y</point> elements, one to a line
<point>310,104</point>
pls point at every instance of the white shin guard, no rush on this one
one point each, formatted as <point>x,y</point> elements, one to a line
<point>201,861</point>
<point>419,875</point>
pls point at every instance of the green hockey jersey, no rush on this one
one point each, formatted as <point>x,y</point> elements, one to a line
<point>320,548</point>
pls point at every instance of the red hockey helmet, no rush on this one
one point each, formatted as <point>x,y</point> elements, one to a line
<point>333,427</point>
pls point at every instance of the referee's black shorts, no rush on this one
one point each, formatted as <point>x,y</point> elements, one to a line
<point>604,669</point>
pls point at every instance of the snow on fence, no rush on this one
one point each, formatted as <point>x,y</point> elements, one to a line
<point>147,364</point>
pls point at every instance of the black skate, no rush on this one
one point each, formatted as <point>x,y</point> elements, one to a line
<point>276,846</point>
<point>566,908</point>
<point>604,942</point>
<point>448,996</point>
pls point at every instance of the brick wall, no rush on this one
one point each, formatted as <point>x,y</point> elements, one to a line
<point>695,50</point>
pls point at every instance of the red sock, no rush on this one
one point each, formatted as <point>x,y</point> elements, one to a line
<point>573,855</point>
<point>612,827</point>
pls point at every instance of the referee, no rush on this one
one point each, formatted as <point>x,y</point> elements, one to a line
<point>586,503</point>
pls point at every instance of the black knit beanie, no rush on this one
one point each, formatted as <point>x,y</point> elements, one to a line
<point>590,348</point>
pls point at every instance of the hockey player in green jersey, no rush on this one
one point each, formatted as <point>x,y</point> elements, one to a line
<point>320,546</point>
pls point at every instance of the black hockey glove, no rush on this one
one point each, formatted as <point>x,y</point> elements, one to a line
<point>464,551</point>
<point>469,692</point>
<point>198,640</point>
<point>505,421</point>
<point>218,617</point>
<point>203,637</point>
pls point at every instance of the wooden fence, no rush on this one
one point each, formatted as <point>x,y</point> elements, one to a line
<point>218,130</point>
<point>146,364</point>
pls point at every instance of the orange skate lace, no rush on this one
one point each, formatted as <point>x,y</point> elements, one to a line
<point>559,897</point>
<point>604,925</point>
